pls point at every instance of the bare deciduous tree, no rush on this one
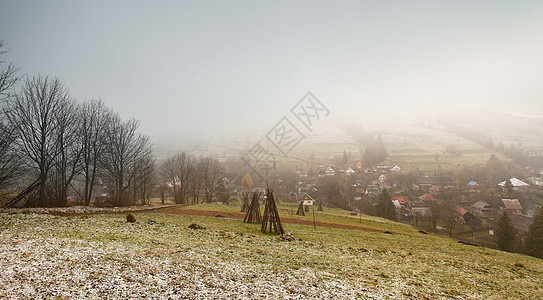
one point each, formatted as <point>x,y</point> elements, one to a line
<point>124,148</point>
<point>144,174</point>
<point>449,216</point>
<point>35,112</point>
<point>93,121</point>
<point>9,158</point>
<point>8,77</point>
<point>212,171</point>
<point>196,182</point>
<point>178,170</point>
<point>68,153</point>
<point>169,174</point>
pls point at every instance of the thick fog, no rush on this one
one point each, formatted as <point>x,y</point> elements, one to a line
<point>202,69</point>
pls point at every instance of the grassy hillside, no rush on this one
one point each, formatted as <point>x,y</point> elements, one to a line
<point>47,256</point>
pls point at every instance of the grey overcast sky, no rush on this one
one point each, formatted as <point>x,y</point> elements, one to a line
<point>199,68</point>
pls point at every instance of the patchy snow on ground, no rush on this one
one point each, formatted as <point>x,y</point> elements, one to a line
<point>81,209</point>
<point>82,256</point>
<point>46,256</point>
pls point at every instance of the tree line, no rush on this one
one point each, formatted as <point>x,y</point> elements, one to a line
<point>522,156</point>
<point>56,147</point>
<point>193,180</point>
<point>53,147</point>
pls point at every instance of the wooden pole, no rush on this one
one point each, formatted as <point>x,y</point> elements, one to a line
<point>314,224</point>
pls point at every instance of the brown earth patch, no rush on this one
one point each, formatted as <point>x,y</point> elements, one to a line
<point>207,213</point>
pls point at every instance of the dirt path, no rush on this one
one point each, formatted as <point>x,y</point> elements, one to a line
<point>206,213</point>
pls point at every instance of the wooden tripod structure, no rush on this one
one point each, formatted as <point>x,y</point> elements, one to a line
<point>271,215</point>
<point>245,201</point>
<point>253,212</point>
<point>300,211</point>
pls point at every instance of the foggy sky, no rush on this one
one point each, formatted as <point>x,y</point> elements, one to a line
<point>201,68</point>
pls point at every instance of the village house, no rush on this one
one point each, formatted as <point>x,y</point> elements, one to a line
<point>467,218</point>
<point>403,202</point>
<point>358,165</point>
<point>482,208</point>
<point>420,214</point>
<point>427,198</point>
<point>522,225</point>
<point>434,189</point>
<point>349,172</point>
<point>425,182</point>
<point>473,185</point>
<point>511,205</point>
<point>396,169</point>
<point>517,184</point>
<point>385,185</point>
<point>307,199</point>
<point>330,172</point>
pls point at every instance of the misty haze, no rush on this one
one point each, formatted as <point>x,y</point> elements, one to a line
<point>278,150</point>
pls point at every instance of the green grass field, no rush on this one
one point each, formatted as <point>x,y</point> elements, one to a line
<point>101,255</point>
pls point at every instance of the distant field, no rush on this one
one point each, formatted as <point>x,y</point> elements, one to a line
<point>425,150</point>
<point>319,147</point>
<point>102,256</point>
<point>413,147</point>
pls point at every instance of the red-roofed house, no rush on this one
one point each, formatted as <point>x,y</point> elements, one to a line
<point>385,185</point>
<point>403,204</point>
<point>434,189</point>
<point>427,197</point>
<point>359,165</point>
<point>404,200</point>
<point>467,218</point>
<point>459,209</point>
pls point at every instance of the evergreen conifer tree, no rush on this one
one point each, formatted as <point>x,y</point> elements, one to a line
<point>534,242</point>
<point>505,232</point>
<point>385,207</point>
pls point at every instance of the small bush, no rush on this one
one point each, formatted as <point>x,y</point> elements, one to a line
<point>196,226</point>
<point>130,218</point>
